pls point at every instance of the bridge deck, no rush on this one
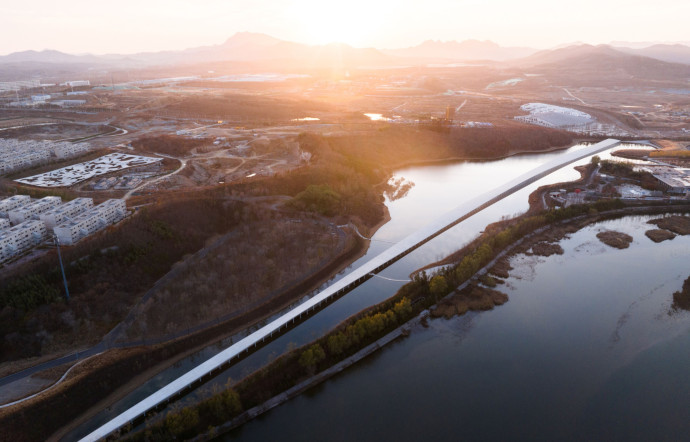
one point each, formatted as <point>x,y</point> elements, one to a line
<point>358,275</point>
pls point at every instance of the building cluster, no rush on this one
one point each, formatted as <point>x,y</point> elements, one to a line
<point>11,86</point>
<point>18,155</point>
<point>25,223</point>
<point>548,115</point>
<point>76,83</point>
<point>572,120</point>
<point>674,179</point>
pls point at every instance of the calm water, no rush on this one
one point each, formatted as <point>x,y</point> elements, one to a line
<point>438,189</point>
<point>586,348</point>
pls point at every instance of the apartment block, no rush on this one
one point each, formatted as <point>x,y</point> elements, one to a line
<point>57,215</point>
<point>91,221</point>
<point>21,237</point>
<point>33,210</point>
<point>13,202</point>
<point>4,224</point>
<point>18,155</point>
<point>112,210</point>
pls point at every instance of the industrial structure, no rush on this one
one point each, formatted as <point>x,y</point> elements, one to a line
<point>548,115</point>
<point>675,180</point>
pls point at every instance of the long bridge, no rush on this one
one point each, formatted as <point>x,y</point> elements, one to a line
<point>216,364</point>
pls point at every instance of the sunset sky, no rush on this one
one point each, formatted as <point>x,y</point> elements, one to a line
<point>127,26</point>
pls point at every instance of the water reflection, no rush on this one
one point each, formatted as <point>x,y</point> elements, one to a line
<point>584,350</point>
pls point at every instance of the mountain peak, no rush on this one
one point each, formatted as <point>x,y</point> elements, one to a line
<point>251,38</point>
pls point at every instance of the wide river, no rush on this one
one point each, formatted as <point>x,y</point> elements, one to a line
<point>555,361</point>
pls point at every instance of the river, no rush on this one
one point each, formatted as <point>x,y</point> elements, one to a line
<point>587,348</point>
<point>438,188</point>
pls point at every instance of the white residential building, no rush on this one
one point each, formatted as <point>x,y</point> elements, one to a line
<point>40,98</point>
<point>112,210</point>
<point>58,215</point>
<point>33,210</point>
<point>68,103</point>
<point>18,155</point>
<point>77,83</point>
<point>6,86</point>
<point>67,150</point>
<point>21,237</point>
<point>13,202</point>
<point>4,224</point>
<point>90,221</point>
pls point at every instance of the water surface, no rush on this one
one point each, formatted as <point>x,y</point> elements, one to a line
<point>587,348</point>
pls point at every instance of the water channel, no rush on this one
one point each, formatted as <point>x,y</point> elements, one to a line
<point>438,188</point>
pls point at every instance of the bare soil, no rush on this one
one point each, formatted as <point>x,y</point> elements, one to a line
<point>471,298</point>
<point>501,268</point>
<point>546,249</point>
<point>677,224</point>
<point>618,240</point>
<point>659,235</point>
<point>681,300</point>
<point>633,154</point>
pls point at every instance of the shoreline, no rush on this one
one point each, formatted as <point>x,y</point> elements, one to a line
<point>551,232</point>
<point>413,163</point>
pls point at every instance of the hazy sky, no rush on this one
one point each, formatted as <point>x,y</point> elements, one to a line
<point>127,26</point>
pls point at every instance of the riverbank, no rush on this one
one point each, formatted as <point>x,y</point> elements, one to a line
<point>510,154</point>
<point>315,380</point>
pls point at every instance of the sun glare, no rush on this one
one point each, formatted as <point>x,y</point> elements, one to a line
<point>352,22</point>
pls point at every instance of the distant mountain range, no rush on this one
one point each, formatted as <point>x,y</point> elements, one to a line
<point>243,46</point>
<point>260,48</point>
<point>607,63</point>
<point>462,51</point>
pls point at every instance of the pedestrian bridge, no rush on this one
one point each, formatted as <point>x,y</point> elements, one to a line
<point>216,364</point>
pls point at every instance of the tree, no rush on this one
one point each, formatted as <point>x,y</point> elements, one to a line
<point>595,160</point>
<point>438,286</point>
<point>402,309</point>
<point>225,404</point>
<point>338,343</point>
<point>319,198</point>
<point>312,356</point>
<point>179,423</point>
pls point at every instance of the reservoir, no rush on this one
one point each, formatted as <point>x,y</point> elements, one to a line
<point>438,188</point>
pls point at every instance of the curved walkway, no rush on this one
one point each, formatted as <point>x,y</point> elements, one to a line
<point>59,381</point>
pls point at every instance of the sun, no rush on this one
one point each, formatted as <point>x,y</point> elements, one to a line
<point>352,22</point>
